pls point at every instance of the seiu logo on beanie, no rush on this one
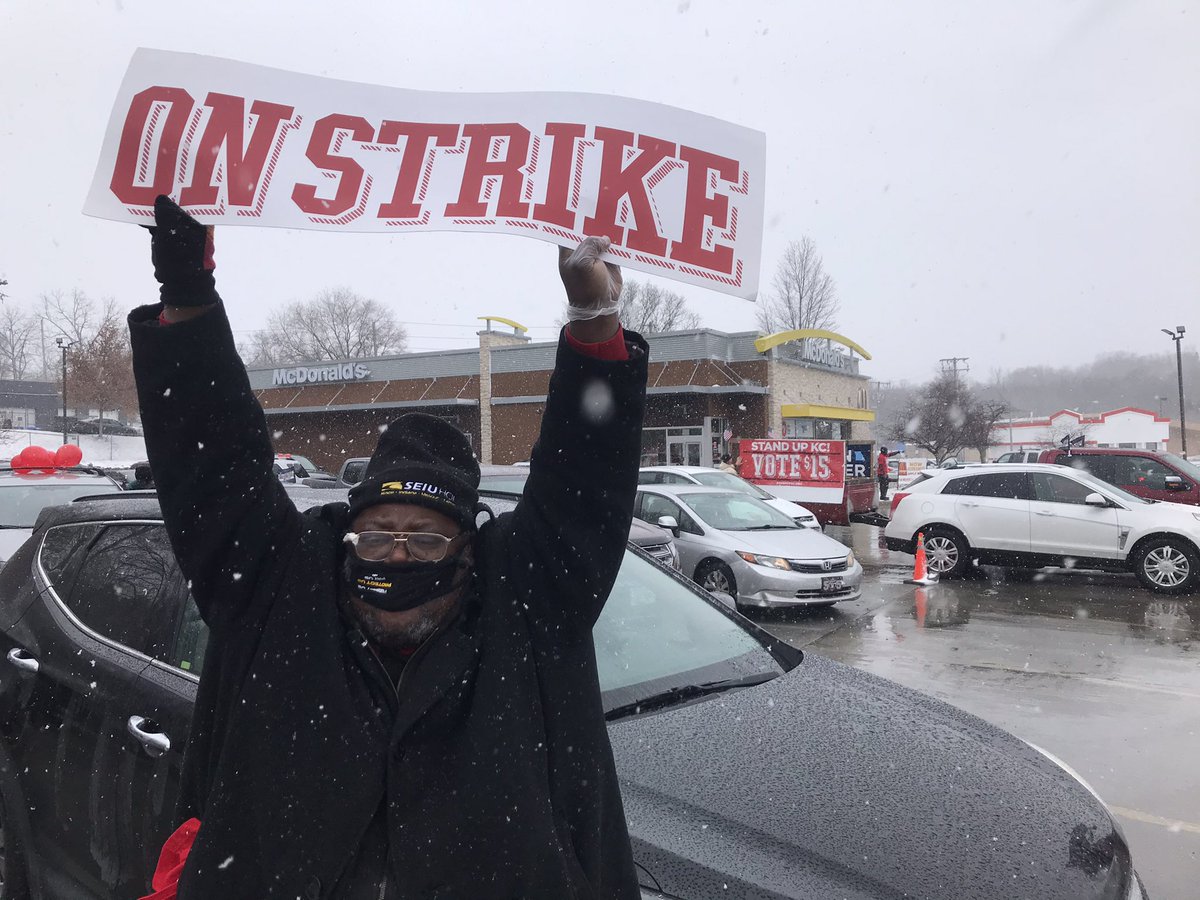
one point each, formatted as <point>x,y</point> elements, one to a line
<point>397,488</point>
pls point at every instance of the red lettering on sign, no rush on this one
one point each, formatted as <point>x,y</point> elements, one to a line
<point>479,166</point>
<point>618,181</point>
<point>417,153</point>
<point>135,157</point>
<point>699,207</point>
<point>243,170</point>
<point>321,154</point>
<point>558,181</point>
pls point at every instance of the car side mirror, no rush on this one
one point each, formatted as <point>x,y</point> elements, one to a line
<point>1175,483</point>
<point>1094,499</point>
<point>669,523</point>
<point>726,599</point>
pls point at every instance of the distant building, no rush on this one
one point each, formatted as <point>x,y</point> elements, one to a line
<point>706,389</point>
<point>28,404</point>
<point>1129,428</point>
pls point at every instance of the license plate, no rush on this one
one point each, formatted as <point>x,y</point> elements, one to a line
<point>830,585</point>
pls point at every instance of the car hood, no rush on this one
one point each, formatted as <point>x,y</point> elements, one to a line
<point>830,782</point>
<point>11,539</point>
<point>791,543</point>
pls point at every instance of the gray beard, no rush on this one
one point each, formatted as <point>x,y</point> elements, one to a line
<point>389,638</point>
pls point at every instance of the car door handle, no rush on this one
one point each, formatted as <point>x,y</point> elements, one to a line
<point>1044,512</point>
<point>966,503</point>
<point>155,743</point>
<point>20,658</point>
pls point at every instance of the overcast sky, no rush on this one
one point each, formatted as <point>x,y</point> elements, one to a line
<point>1012,182</point>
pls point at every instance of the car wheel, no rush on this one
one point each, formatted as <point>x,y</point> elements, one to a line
<point>13,882</point>
<point>1167,565</point>
<point>716,576</point>
<point>947,553</point>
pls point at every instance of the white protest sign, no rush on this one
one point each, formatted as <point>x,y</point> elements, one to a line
<point>680,194</point>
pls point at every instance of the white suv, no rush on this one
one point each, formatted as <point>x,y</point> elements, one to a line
<point>1030,515</point>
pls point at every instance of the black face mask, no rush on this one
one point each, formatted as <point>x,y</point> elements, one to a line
<point>399,586</point>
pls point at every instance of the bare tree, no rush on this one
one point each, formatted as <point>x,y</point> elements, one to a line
<point>335,324</point>
<point>17,348</point>
<point>649,309</point>
<point>100,371</point>
<point>946,416</point>
<point>803,295</point>
<point>980,425</point>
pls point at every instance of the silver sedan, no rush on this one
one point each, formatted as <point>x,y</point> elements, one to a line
<point>736,544</point>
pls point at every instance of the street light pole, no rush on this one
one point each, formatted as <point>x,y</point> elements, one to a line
<point>63,345</point>
<point>1177,337</point>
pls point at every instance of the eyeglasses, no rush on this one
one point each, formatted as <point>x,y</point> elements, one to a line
<point>423,546</point>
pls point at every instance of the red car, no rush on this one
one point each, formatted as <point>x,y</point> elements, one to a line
<point>1151,474</point>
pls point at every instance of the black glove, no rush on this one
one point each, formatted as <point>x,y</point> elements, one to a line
<point>182,252</point>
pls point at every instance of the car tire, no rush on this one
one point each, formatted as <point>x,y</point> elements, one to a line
<point>14,880</point>
<point>714,575</point>
<point>947,553</point>
<point>1167,565</point>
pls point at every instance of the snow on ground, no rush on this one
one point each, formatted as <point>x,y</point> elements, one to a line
<point>97,450</point>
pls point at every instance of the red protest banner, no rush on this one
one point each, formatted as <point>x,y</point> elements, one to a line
<point>679,194</point>
<point>795,463</point>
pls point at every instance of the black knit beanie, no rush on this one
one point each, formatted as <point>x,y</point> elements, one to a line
<point>423,460</point>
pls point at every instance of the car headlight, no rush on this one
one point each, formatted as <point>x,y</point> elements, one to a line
<point>771,562</point>
<point>674,554</point>
<point>850,560</point>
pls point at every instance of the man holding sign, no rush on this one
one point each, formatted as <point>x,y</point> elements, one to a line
<point>394,702</point>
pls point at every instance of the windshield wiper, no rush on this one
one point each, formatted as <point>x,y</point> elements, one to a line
<point>683,693</point>
<point>771,528</point>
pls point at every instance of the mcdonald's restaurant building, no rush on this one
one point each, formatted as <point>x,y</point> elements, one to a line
<point>707,389</point>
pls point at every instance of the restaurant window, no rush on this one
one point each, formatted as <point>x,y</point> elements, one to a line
<point>817,429</point>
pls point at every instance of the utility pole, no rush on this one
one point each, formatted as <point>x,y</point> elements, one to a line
<point>950,364</point>
<point>1177,337</point>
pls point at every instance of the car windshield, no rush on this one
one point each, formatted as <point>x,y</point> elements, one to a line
<point>737,512</point>
<point>730,481</point>
<point>307,463</point>
<point>21,501</point>
<point>508,484</point>
<point>655,633</point>
<point>1187,468</point>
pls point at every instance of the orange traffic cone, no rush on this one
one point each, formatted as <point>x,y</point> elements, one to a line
<point>920,574</point>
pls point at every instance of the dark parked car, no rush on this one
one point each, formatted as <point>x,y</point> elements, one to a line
<point>747,769</point>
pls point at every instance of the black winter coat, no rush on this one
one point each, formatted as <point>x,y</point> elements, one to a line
<point>492,755</point>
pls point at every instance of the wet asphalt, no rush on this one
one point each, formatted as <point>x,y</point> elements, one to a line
<point>1086,665</point>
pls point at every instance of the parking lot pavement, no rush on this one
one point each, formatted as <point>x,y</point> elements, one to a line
<point>1086,665</point>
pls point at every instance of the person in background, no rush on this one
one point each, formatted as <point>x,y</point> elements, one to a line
<point>882,472</point>
<point>726,464</point>
<point>143,478</point>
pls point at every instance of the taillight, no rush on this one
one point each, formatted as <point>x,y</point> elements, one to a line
<point>896,498</point>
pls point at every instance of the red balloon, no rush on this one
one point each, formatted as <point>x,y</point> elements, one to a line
<point>68,455</point>
<point>38,458</point>
<point>17,463</point>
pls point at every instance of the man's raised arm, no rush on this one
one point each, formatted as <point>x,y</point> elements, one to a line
<point>230,521</point>
<point>572,523</point>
